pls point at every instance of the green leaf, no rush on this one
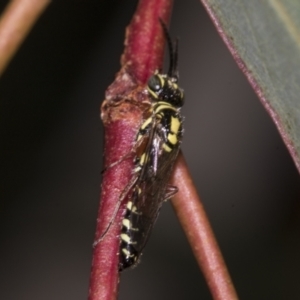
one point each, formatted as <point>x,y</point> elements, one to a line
<point>264,38</point>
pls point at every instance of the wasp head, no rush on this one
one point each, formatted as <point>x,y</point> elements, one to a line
<point>165,88</point>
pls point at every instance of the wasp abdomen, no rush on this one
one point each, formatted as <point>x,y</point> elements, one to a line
<point>128,252</point>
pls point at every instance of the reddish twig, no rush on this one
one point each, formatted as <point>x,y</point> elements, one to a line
<point>122,113</point>
<point>194,221</point>
<point>15,23</point>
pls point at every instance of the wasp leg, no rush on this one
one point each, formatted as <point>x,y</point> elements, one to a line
<point>119,160</point>
<point>133,150</point>
<point>125,192</point>
<point>170,192</point>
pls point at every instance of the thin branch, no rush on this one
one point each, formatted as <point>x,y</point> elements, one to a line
<point>15,23</point>
<point>194,221</point>
<point>122,114</point>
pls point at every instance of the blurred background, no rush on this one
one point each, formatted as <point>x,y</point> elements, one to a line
<point>51,158</point>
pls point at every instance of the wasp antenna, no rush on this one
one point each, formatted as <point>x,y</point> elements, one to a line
<point>108,226</point>
<point>170,46</point>
<point>175,73</point>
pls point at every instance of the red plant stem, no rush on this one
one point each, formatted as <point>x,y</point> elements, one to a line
<point>122,114</point>
<point>194,221</point>
<point>15,23</point>
<point>145,42</point>
<point>104,274</point>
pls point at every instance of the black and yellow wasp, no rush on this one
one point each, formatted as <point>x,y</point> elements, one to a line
<point>159,139</point>
<point>156,147</point>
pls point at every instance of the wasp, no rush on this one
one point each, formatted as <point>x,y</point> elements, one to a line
<point>162,130</point>
<point>157,144</point>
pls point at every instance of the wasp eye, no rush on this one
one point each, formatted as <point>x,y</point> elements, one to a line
<point>154,83</point>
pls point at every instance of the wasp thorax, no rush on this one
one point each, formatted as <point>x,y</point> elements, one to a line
<point>165,88</point>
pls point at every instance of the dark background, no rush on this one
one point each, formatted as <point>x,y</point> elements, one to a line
<point>51,158</point>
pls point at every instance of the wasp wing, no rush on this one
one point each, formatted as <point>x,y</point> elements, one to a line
<point>151,188</point>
